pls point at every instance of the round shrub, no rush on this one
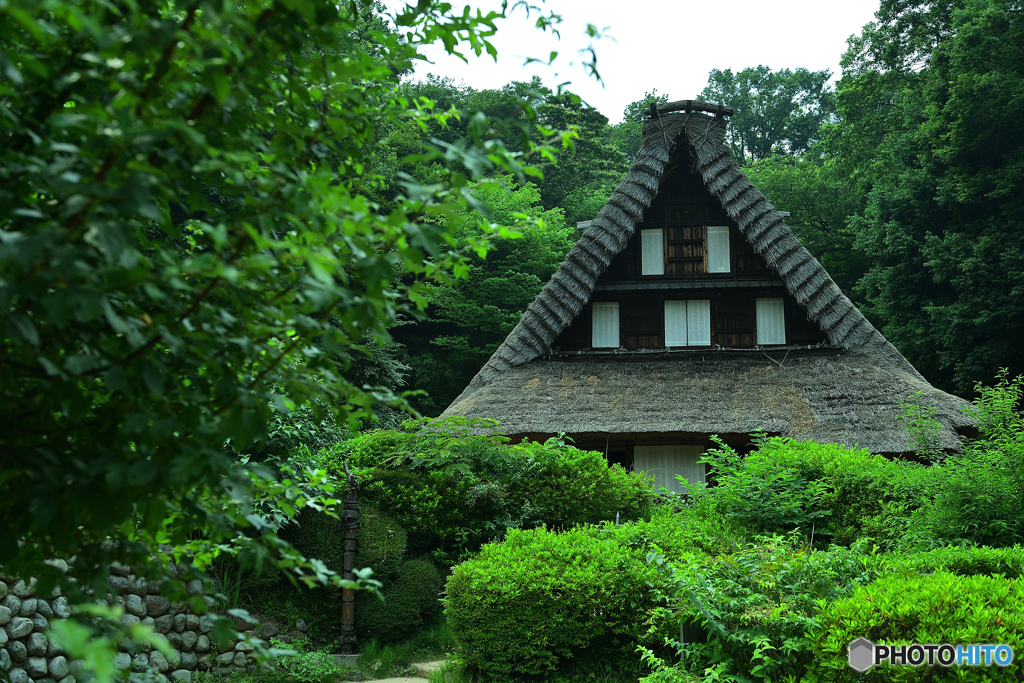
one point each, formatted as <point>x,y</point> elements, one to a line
<point>409,601</point>
<point>564,486</point>
<point>937,608</point>
<point>320,536</point>
<point>531,603</point>
<point>381,544</point>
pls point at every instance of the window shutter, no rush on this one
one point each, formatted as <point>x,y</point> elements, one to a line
<point>718,249</point>
<point>652,252</point>
<point>771,321</point>
<point>665,462</point>
<point>675,323</point>
<point>605,325</point>
<point>698,322</point>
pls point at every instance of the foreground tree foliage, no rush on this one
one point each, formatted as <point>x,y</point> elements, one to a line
<point>189,246</point>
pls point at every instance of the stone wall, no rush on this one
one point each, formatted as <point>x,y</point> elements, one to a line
<point>29,656</point>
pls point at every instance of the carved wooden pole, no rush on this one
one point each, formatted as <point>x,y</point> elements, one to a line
<point>350,523</point>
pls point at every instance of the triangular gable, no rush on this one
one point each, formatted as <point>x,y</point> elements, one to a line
<point>571,287</point>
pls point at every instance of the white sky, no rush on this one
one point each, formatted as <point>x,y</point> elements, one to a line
<point>670,46</point>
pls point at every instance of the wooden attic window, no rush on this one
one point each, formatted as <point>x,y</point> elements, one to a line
<point>682,251</point>
<point>652,252</point>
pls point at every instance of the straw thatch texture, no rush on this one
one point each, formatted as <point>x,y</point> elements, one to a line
<point>830,396</point>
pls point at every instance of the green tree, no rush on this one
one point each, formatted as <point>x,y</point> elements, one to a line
<point>592,166</point>
<point>628,135</point>
<point>776,111</point>
<point>468,319</point>
<point>817,191</point>
<point>190,245</point>
<point>942,224</point>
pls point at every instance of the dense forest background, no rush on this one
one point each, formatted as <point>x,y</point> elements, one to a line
<point>903,177</point>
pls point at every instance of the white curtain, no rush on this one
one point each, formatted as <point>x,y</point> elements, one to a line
<point>652,252</point>
<point>666,462</point>
<point>771,321</point>
<point>698,322</point>
<point>605,325</point>
<point>675,323</point>
<point>718,249</point>
<point>688,323</point>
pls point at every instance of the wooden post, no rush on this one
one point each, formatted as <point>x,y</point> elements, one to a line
<point>350,524</point>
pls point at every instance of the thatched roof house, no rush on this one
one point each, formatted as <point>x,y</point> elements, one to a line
<point>688,308</point>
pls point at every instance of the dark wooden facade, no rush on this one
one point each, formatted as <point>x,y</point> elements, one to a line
<point>684,209</point>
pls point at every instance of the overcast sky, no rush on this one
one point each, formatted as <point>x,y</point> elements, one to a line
<point>660,44</point>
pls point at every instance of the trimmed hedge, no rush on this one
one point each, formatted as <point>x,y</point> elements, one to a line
<point>452,491</point>
<point>528,605</point>
<point>409,602</point>
<point>1008,562</point>
<point>937,608</point>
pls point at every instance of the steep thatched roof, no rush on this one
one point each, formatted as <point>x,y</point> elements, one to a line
<point>830,396</point>
<point>525,391</point>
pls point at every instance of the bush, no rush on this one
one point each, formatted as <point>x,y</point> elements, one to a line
<point>749,612</point>
<point>977,499</point>
<point>938,608</point>
<point>319,536</point>
<point>837,492</point>
<point>454,491</point>
<point>692,533</point>
<point>409,602</point>
<point>528,605</point>
<point>978,494</point>
<point>381,544</point>
<point>1008,562</point>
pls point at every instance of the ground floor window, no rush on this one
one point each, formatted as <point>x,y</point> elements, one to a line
<point>667,462</point>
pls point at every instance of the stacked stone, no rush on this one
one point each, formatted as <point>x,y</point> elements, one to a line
<point>29,656</point>
<point>26,654</point>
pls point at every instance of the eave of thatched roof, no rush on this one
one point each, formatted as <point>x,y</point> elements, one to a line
<point>831,396</point>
